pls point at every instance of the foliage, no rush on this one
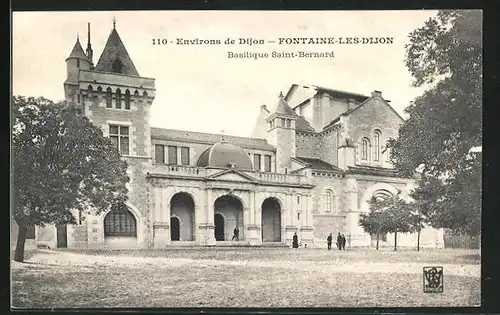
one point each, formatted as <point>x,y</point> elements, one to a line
<point>445,123</point>
<point>61,161</point>
<point>388,215</point>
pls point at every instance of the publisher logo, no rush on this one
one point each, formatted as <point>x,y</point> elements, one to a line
<point>433,279</point>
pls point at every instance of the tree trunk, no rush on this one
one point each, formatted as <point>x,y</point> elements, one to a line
<point>395,240</point>
<point>21,240</point>
<point>377,239</point>
<point>418,240</point>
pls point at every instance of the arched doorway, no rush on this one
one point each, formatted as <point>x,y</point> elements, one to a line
<point>219,227</point>
<point>230,209</point>
<point>182,208</point>
<point>271,220</point>
<point>174,229</point>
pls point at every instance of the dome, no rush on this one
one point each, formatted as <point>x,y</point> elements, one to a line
<point>227,155</point>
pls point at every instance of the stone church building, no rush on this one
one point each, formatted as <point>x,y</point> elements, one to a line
<point>315,159</point>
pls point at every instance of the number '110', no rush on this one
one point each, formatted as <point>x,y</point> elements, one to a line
<point>160,41</point>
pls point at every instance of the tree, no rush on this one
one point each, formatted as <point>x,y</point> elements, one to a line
<point>61,162</point>
<point>445,123</point>
<point>373,222</point>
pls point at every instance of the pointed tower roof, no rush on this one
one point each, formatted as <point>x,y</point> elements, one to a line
<point>77,51</point>
<point>283,108</point>
<point>115,58</point>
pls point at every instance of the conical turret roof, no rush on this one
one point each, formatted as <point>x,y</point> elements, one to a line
<point>77,51</point>
<point>115,58</point>
<point>283,108</point>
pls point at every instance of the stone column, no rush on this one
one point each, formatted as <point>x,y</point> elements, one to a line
<point>209,227</point>
<point>306,230</point>
<point>253,228</point>
<point>356,237</point>
<point>161,218</point>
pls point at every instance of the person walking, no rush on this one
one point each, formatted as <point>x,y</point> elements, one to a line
<point>295,243</point>
<point>236,233</point>
<point>339,241</point>
<point>329,241</point>
<point>343,241</point>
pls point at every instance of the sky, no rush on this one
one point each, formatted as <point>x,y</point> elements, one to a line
<point>198,88</point>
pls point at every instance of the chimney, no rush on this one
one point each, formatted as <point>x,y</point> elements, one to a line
<point>377,93</point>
<point>264,107</point>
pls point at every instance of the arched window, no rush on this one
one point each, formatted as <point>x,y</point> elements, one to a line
<point>127,99</point>
<point>329,201</point>
<point>376,145</point>
<point>118,98</point>
<point>120,222</point>
<point>108,98</point>
<point>365,148</point>
<point>99,89</point>
<point>90,89</point>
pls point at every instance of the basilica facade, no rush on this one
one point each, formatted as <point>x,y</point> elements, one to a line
<point>315,159</point>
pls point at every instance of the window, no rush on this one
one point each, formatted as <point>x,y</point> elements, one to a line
<point>127,99</point>
<point>298,199</point>
<point>172,155</point>
<point>288,123</point>
<point>159,153</point>
<point>329,201</point>
<point>78,63</point>
<point>267,163</point>
<point>99,89</point>
<point>119,136</point>
<point>184,156</point>
<point>282,122</point>
<point>119,222</point>
<point>108,98</point>
<point>376,145</point>
<point>78,98</point>
<point>256,162</point>
<point>298,215</point>
<point>118,98</point>
<point>365,145</point>
<point>90,89</point>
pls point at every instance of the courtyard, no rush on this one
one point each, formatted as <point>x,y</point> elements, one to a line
<point>242,277</point>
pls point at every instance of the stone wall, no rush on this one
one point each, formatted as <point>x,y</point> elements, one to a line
<point>307,145</point>
<point>374,114</point>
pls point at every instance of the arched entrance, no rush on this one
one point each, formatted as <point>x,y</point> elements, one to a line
<point>219,227</point>
<point>174,229</point>
<point>271,220</point>
<point>230,209</point>
<point>182,208</point>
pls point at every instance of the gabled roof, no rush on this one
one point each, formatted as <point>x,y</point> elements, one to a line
<point>320,165</point>
<point>330,124</point>
<point>77,51</point>
<point>115,58</point>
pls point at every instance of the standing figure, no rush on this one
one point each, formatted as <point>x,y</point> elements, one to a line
<point>329,241</point>
<point>295,243</point>
<point>236,233</point>
<point>343,242</point>
<point>339,241</point>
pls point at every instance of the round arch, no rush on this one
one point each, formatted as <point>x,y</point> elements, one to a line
<point>139,221</point>
<point>231,208</point>
<point>271,220</point>
<point>183,208</point>
<point>188,192</point>
<point>372,190</point>
<point>276,197</point>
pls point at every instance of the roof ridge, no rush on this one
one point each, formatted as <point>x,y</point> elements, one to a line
<point>209,133</point>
